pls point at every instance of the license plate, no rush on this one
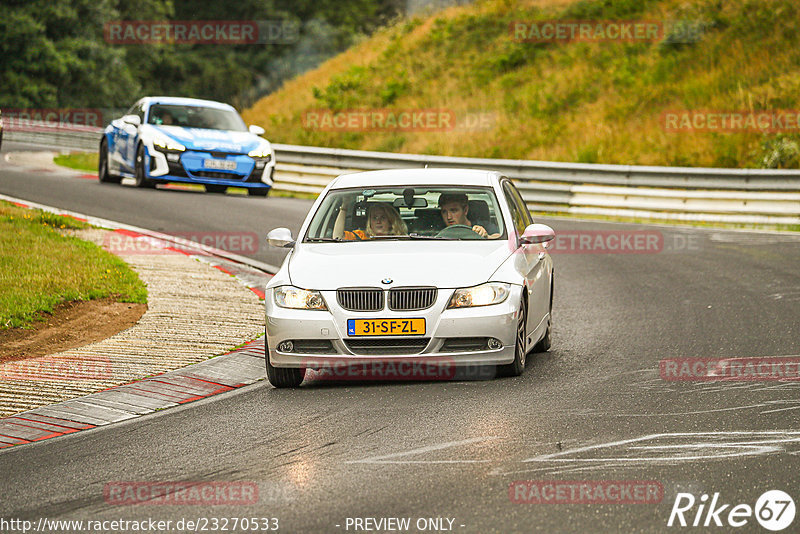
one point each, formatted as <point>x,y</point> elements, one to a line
<point>220,164</point>
<point>386,327</point>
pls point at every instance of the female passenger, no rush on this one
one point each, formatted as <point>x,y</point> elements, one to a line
<point>382,220</point>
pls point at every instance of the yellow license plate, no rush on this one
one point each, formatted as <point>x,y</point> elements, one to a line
<point>386,327</point>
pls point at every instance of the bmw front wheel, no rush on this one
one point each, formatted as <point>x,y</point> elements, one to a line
<point>283,377</point>
<point>517,367</point>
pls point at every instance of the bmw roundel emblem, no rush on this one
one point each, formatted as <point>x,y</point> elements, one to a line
<point>387,281</point>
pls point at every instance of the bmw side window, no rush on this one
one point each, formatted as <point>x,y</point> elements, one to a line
<point>520,203</point>
<point>517,216</point>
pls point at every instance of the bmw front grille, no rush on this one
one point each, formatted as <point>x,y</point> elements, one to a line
<point>399,299</point>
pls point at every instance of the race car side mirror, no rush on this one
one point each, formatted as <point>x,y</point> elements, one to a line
<point>133,120</point>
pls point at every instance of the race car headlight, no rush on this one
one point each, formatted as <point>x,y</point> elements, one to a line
<point>262,151</point>
<point>299,299</point>
<point>482,295</point>
<point>164,144</point>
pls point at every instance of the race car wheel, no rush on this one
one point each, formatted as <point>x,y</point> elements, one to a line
<point>102,166</point>
<point>141,179</point>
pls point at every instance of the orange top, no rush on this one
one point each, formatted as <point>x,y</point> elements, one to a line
<point>355,235</point>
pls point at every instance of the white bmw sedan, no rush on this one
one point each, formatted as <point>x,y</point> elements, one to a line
<point>406,266</point>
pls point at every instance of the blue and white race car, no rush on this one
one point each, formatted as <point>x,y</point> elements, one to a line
<point>168,139</point>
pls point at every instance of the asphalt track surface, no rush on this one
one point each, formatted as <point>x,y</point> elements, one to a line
<point>594,408</point>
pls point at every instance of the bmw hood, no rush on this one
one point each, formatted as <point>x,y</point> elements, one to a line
<point>451,264</point>
<point>202,139</point>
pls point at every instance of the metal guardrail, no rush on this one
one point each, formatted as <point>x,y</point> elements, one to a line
<point>754,196</point>
<point>52,134</point>
<point>751,196</point>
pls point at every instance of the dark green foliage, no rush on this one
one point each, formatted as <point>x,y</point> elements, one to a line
<point>53,52</point>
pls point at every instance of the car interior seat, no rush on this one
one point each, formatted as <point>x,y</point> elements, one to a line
<point>479,214</point>
<point>428,221</point>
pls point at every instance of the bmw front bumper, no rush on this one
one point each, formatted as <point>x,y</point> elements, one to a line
<point>445,332</point>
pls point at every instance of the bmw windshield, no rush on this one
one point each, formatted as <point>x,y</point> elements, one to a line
<point>407,213</point>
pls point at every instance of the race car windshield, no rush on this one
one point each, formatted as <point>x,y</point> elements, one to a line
<point>196,117</point>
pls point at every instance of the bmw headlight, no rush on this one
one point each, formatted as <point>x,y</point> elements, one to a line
<point>299,299</point>
<point>482,295</point>
<point>164,143</point>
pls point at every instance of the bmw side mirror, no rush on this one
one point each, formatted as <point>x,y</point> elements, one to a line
<point>537,233</point>
<point>281,238</point>
<point>256,130</point>
<point>133,120</point>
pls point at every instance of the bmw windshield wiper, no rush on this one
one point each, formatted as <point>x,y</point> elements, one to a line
<point>322,240</point>
<point>420,236</point>
<point>399,236</point>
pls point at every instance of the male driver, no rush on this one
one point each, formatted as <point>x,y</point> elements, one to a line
<point>455,208</point>
<point>167,119</point>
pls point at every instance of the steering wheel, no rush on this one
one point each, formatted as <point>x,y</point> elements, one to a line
<point>459,231</point>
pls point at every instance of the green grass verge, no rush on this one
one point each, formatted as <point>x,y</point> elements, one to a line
<point>82,161</point>
<point>292,194</point>
<point>40,268</point>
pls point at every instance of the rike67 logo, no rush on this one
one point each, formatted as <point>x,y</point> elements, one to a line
<point>774,511</point>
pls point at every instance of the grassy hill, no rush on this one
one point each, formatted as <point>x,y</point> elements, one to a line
<point>593,102</point>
